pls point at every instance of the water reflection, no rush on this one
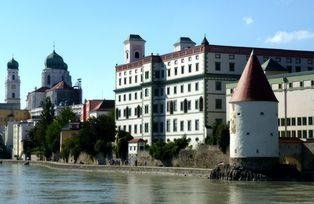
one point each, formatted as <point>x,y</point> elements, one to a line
<point>33,184</point>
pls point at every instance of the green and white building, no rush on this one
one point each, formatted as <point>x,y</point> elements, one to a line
<point>184,92</point>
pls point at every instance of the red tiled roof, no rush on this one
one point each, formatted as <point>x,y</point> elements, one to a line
<point>104,105</point>
<point>41,89</point>
<point>136,140</point>
<point>253,84</point>
<point>61,85</point>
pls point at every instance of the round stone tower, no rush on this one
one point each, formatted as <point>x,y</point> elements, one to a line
<point>253,122</point>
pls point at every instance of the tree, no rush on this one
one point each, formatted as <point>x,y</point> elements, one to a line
<point>165,152</point>
<point>219,137</point>
<point>122,143</point>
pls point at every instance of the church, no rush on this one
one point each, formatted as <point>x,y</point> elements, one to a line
<point>56,84</point>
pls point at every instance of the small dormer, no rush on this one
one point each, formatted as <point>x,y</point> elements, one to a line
<point>134,48</point>
<point>183,43</point>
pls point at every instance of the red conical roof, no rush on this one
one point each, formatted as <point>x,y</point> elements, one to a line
<point>253,84</point>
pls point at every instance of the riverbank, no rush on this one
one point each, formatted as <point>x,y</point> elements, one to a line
<point>171,171</point>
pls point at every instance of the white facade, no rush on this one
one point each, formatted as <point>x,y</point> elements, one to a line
<point>134,48</point>
<point>20,133</point>
<point>253,128</point>
<point>147,88</point>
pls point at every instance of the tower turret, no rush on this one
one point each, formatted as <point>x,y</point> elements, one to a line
<point>253,127</point>
<point>134,48</point>
<point>12,83</point>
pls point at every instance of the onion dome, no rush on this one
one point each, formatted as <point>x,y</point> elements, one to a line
<point>253,84</point>
<point>55,61</point>
<point>12,64</point>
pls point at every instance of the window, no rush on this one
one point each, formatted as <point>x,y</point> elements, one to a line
<point>304,121</point>
<point>174,125</point>
<point>189,87</point>
<point>304,134</point>
<point>146,109</point>
<point>197,124</point>
<point>218,103</point>
<point>310,119</point>
<point>168,126</point>
<point>146,127</point>
<point>201,103</point>
<point>231,57</point>
<point>196,104</point>
<point>155,108</point>
<point>161,127</point>
<point>217,66</point>
<point>169,72</point>
<point>279,86</point>
<point>231,67</point>
<point>218,85</point>
<point>293,121</point>
<point>130,80</point>
<point>130,129</point>
<point>130,97</point>
<point>175,71</point>
<point>182,69</point>
<point>310,133</point>
<point>301,83</point>
<point>135,96</point>
<point>157,74</point>
<point>162,73</point>
<point>182,88</point>
<point>168,90</point>
<point>290,85</point>
<point>155,127</point>
<point>189,125</point>
<point>141,78</point>
<point>120,82</point>
<point>196,86</point>
<point>124,97</point>
<point>297,60</point>
<point>48,79</point>
<point>13,95</point>
<point>189,105</point>
<point>161,110</point>
<point>181,125</point>
<point>196,67</point>
<point>190,68</point>
<point>146,92</point>
<point>297,68</point>
<point>185,105</point>
<point>146,74</point>
<point>175,90</point>
<point>299,121</point>
<point>156,92</point>
<point>136,55</point>
<point>119,98</point>
<point>135,129</point>
<point>217,56</point>
<point>299,133</point>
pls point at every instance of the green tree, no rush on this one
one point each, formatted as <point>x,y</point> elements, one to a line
<point>122,143</point>
<point>220,136</point>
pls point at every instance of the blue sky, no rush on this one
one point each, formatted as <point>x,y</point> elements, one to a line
<point>89,34</point>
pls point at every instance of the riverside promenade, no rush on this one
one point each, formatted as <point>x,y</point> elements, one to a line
<point>170,171</point>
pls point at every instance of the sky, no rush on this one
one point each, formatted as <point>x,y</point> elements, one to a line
<point>89,34</point>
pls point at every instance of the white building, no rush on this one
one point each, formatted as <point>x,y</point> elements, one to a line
<point>12,84</point>
<point>20,134</point>
<point>253,120</point>
<point>183,92</point>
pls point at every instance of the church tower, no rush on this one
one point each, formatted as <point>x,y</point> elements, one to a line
<point>253,122</point>
<point>134,48</point>
<point>12,84</point>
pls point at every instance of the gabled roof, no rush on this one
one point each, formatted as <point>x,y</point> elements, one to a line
<point>137,140</point>
<point>61,85</point>
<point>104,105</point>
<point>253,84</point>
<point>41,89</point>
<point>273,65</point>
<point>134,37</point>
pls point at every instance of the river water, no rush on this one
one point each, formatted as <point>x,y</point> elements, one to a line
<point>35,184</point>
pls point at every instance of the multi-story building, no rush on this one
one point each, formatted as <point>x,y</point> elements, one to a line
<point>183,92</point>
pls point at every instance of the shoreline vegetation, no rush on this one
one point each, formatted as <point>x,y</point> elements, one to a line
<point>153,170</point>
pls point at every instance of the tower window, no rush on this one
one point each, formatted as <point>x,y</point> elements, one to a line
<point>137,55</point>
<point>127,54</point>
<point>13,95</point>
<point>48,79</point>
<point>13,77</point>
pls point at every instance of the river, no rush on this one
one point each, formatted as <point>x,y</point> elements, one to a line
<point>36,184</point>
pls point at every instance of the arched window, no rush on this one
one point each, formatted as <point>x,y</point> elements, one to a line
<point>201,103</point>
<point>48,79</point>
<point>13,77</point>
<point>13,95</point>
<point>137,55</point>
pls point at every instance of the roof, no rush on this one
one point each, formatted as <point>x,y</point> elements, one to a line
<point>184,40</point>
<point>104,105</point>
<point>205,41</point>
<point>55,61</point>
<point>13,64</point>
<point>41,89</point>
<point>136,140</point>
<point>273,65</point>
<point>134,37</point>
<point>289,140</point>
<point>61,85</point>
<point>253,84</point>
